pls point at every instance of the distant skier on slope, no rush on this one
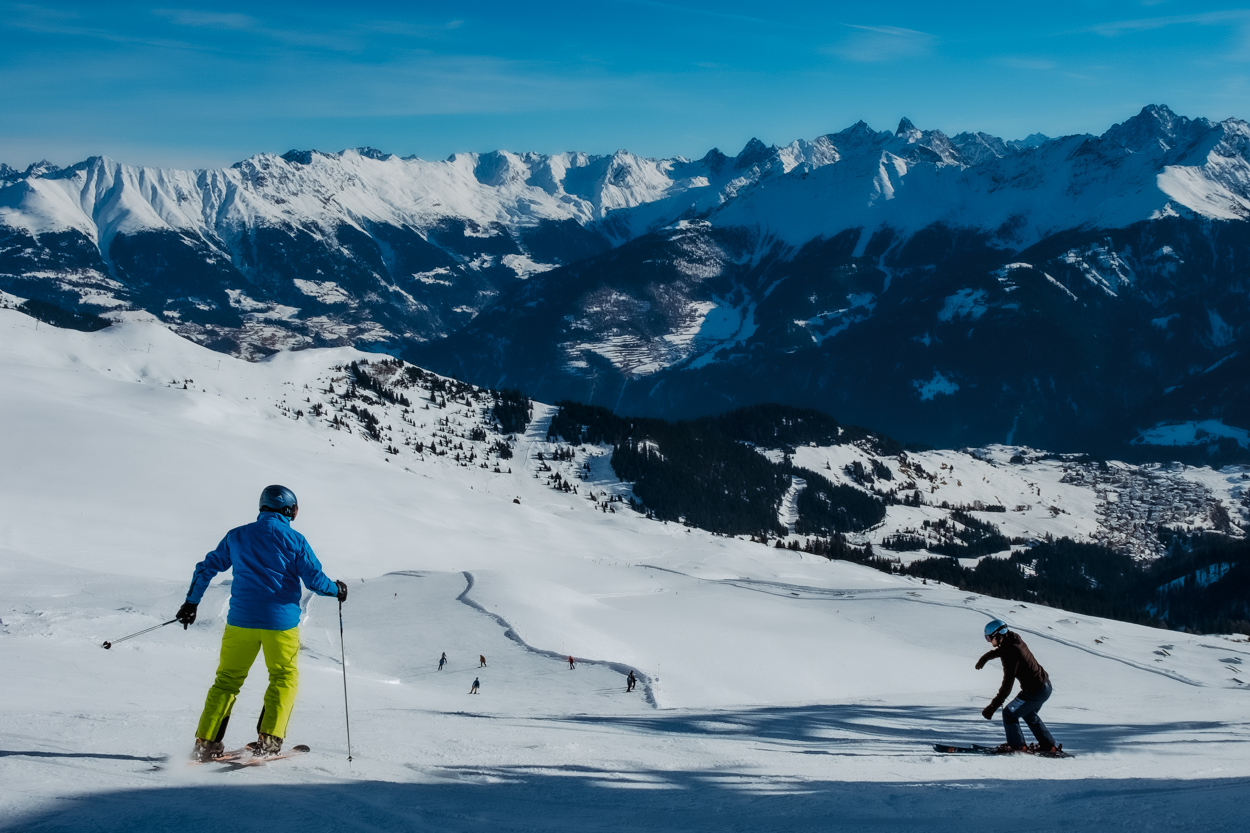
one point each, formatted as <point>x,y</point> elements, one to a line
<point>482,660</point>
<point>572,664</point>
<point>1018,664</point>
<point>476,683</point>
<point>630,682</point>
<point>269,560</point>
<point>442,661</point>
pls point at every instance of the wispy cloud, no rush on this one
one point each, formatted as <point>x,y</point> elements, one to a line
<point>1145,24</point>
<point>311,33</point>
<point>876,44</point>
<point>41,20</point>
<point>208,20</point>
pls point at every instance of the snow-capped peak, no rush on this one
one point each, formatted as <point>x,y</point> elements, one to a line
<point>1189,164</point>
<point>754,152</point>
<point>1155,128</point>
<point>908,131</point>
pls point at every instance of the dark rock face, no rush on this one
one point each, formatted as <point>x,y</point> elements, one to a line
<point>1076,343</point>
<point>1066,293</point>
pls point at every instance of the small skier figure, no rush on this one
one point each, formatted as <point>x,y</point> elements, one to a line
<point>269,560</point>
<point>481,661</point>
<point>572,664</point>
<point>1018,664</point>
<point>442,661</point>
<point>630,682</point>
<point>475,685</point>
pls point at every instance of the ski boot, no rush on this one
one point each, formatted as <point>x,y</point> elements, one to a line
<point>207,750</point>
<point>1008,749</point>
<point>1048,751</point>
<point>265,746</point>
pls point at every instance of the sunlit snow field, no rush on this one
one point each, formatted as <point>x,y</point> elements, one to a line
<point>777,690</point>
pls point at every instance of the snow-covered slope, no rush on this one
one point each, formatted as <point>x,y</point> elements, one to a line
<point>770,679</point>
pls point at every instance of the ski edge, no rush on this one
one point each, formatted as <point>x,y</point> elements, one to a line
<point>977,749</point>
<point>244,756</point>
<point>260,760</point>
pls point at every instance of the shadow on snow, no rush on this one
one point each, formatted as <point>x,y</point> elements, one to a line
<point>732,797</point>
<point>584,800</point>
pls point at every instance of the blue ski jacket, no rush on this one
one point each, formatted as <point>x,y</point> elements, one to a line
<point>269,559</point>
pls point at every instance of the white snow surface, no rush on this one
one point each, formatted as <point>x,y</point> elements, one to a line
<point>1192,433</point>
<point>778,690</point>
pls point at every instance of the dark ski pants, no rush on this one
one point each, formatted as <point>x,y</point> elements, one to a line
<point>1026,706</point>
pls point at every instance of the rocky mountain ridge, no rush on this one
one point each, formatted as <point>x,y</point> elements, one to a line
<point>1067,292</point>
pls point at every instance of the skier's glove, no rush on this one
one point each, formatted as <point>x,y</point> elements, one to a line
<point>988,712</point>
<point>186,614</point>
<point>342,597</point>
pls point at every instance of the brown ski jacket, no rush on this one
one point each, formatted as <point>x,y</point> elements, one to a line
<point>1018,664</point>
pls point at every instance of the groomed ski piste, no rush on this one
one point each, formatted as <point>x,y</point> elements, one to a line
<point>777,690</point>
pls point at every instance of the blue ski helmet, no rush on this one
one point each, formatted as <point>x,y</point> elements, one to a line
<point>995,628</point>
<point>278,499</point>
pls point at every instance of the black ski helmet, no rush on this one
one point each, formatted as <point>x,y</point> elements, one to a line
<point>278,499</point>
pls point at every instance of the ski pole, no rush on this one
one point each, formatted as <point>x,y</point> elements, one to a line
<point>108,644</point>
<point>343,659</point>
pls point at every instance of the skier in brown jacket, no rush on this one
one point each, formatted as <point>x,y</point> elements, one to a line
<point>1018,664</point>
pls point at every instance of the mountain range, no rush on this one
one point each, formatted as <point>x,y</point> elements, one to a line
<point>1077,293</point>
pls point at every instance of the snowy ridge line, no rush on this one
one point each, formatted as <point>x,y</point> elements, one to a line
<point>850,595</point>
<point>511,633</point>
<point>837,595</point>
<point>1172,675</point>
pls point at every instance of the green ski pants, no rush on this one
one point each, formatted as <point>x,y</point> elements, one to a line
<point>239,647</point>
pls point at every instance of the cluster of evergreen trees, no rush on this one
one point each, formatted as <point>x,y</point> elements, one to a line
<point>962,535</point>
<point>825,508</point>
<point>705,472</point>
<point>361,378</point>
<point>50,313</point>
<point>512,410</point>
<point>1202,584</point>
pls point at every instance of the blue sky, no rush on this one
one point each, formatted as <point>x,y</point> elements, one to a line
<point>201,85</point>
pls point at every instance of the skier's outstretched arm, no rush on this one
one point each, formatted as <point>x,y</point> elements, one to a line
<point>987,656</point>
<point>312,576</point>
<point>217,561</point>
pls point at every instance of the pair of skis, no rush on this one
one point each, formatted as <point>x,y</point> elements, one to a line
<point>244,757</point>
<point>977,749</point>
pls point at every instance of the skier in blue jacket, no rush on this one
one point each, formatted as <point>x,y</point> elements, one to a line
<point>269,560</point>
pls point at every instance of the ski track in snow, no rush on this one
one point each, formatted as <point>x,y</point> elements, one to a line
<point>757,708</point>
<point>820,594</point>
<point>510,633</point>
